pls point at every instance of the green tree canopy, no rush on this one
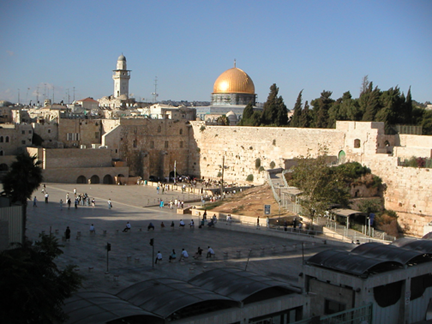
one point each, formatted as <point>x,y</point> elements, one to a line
<point>24,177</point>
<point>32,287</point>
<point>321,186</point>
<point>295,120</point>
<point>269,112</point>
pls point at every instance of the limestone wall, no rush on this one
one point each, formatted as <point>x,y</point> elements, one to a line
<point>151,146</point>
<point>72,174</point>
<point>240,147</point>
<point>75,158</point>
<point>89,132</point>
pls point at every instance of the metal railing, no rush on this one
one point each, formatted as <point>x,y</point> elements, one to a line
<point>359,315</point>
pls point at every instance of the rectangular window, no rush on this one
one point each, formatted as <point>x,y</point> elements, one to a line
<point>332,307</point>
<point>23,142</point>
<point>96,135</point>
<point>152,144</point>
<point>181,144</point>
<point>23,132</point>
<point>72,137</point>
<point>166,144</point>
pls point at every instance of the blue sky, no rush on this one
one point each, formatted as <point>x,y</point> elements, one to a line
<point>310,45</point>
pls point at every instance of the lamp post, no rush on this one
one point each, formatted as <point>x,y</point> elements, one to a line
<point>223,169</point>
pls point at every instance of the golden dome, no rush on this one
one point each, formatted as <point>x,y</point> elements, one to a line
<point>234,80</point>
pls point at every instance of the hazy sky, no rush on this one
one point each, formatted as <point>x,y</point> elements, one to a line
<point>309,45</point>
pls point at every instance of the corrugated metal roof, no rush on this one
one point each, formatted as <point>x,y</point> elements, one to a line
<point>237,284</point>
<point>390,253</point>
<point>424,246</point>
<point>355,264</point>
<point>98,307</point>
<point>166,296</point>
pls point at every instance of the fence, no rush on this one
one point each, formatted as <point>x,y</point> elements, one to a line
<point>359,315</point>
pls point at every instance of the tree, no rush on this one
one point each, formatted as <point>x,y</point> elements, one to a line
<point>369,103</point>
<point>247,115</point>
<point>295,120</point>
<point>32,287</point>
<point>24,177</point>
<point>321,186</point>
<point>223,120</point>
<point>305,118</point>
<point>269,112</point>
<point>281,113</point>
<point>321,108</point>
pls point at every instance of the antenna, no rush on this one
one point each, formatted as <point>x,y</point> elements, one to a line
<point>74,94</point>
<point>37,95</point>
<point>27,94</point>
<point>18,95</point>
<point>155,94</point>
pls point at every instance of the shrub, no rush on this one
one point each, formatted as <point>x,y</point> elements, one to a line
<point>261,168</point>
<point>250,178</point>
<point>272,165</point>
<point>202,128</point>
<point>257,163</point>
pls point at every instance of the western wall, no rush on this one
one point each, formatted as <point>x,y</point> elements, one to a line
<point>365,142</point>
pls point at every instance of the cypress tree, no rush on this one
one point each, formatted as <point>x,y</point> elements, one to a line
<point>305,119</point>
<point>295,120</point>
<point>269,112</point>
<point>281,112</point>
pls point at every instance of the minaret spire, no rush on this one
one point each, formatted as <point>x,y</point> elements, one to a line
<point>234,62</point>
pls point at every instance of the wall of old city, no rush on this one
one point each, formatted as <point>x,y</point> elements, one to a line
<point>151,146</point>
<point>85,132</point>
<point>83,175</point>
<point>240,147</point>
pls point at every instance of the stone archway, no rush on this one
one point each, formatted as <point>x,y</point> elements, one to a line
<point>81,179</point>
<point>341,157</point>
<point>94,179</point>
<point>108,179</point>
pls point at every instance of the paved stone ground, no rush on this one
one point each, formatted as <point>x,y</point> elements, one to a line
<point>131,260</point>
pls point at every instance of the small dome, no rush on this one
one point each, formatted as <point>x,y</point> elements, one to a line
<point>232,117</point>
<point>121,58</point>
<point>234,80</point>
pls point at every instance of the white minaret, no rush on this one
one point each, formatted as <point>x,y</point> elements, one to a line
<point>121,78</point>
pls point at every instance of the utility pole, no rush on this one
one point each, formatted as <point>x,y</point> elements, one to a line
<point>108,248</point>
<point>152,245</point>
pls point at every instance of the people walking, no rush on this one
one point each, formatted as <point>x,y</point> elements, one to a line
<point>210,252</point>
<point>172,256</point>
<point>127,228</point>
<point>109,203</point>
<point>67,234</point>
<point>184,255</point>
<point>158,257</point>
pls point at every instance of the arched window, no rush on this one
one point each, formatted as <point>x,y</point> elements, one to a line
<point>7,139</point>
<point>1,139</point>
<point>159,128</point>
<point>181,131</point>
<point>81,179</point>
<point>356,143</point>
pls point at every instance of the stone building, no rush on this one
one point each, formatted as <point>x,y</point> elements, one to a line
<point>151,146</point>
<point>120,97</point>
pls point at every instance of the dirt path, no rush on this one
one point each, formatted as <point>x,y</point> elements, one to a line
<point>251,202</point>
